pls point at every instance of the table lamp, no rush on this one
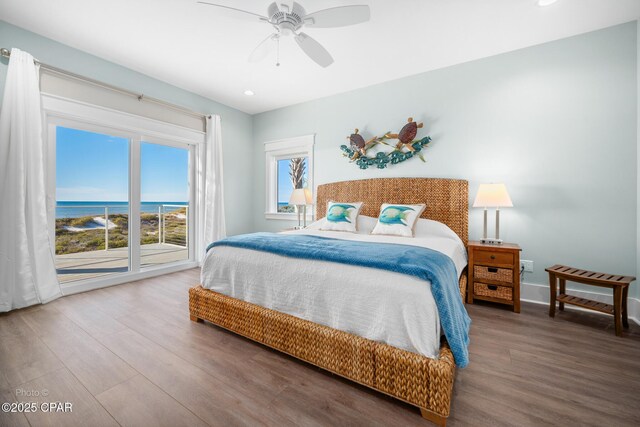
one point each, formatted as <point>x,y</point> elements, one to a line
<point>489,196</point>
<point>301,197</point>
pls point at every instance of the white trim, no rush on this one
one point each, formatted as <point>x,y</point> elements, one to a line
<point>633,305</point>
<point>304,141</point>
<point>59,111</point>
<point>300,146</point>
<point>50,174</point>
<point>57,106</point>
<point>194,203</point>
<point>539,294</point>
<point>135,194</point>
<point>71,288</point>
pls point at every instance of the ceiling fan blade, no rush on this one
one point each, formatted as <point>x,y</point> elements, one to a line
<point>314,50</point>
<point>262,50</point>
<point>237,13</point>
<point>297,9</point>
<point>273,9</point>
<point>338,16</point>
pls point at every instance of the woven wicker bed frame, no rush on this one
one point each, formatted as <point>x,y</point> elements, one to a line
<point>421,381</point>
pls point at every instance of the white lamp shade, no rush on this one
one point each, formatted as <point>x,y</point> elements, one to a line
<point>301,196</point>
<point>492,196</point>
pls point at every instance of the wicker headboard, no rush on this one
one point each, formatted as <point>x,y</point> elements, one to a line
<point>447,199</point>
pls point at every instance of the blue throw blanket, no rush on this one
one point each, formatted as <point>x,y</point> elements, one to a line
<point>423,263</point>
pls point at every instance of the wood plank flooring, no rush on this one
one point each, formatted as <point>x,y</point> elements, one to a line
<point>128,355</point>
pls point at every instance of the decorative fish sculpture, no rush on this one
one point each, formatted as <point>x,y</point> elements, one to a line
<point>395,215</point>
<point>339,213</point>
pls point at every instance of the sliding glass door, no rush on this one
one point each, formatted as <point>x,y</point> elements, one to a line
<point>123,204</point>
<point>165,209</point>
<point>92,204</point>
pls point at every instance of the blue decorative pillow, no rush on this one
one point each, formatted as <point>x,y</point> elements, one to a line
<point>398,220</point>
<point>342,216</point>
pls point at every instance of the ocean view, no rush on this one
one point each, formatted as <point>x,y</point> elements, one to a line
<point>80,209</point>
<point>284,207</point>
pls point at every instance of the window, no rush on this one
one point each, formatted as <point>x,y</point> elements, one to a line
<point>292,174</point>
<point>124,191</point>
<point>288,165</point>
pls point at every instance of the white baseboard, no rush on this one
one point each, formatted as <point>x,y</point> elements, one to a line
<point>539,294</point>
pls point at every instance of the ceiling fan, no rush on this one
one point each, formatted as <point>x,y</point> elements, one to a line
<point>290,20</point>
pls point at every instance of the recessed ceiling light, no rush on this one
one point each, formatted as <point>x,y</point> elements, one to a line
<point>543,3</point>
<point>248,92</point>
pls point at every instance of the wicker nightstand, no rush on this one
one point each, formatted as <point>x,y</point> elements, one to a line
<point>494,273</point>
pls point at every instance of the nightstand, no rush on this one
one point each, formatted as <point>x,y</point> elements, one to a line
<point>494,273</point>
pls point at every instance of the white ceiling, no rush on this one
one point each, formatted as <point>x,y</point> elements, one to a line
<point>200,49</point>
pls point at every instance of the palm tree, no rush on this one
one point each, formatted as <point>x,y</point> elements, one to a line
<point>296,172</point>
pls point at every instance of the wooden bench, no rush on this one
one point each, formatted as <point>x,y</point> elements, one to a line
<point>619,284</point>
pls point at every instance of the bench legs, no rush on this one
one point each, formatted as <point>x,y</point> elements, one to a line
<point>552,294</point>
<point>553,283</point>
<point>617,309</point>
<point>563,290</point>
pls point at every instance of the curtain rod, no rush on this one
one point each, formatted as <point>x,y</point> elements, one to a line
<point>140,96</point>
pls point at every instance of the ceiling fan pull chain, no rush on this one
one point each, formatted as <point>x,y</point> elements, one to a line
<point>278,52</point>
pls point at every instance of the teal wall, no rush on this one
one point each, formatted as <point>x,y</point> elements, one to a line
<point>556,122</point>
<point>236,125</point>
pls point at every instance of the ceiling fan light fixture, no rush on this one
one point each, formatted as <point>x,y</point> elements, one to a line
<point>249,92</point>
<point>288,19</point>
<point>543,3</point>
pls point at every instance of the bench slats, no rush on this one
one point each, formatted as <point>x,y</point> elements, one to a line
<point>586,303</point>
<point>589,277</point>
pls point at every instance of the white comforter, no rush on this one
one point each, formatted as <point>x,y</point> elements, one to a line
<point>376,304</point>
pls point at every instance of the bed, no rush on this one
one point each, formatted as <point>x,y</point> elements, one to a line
<point>413,375</point>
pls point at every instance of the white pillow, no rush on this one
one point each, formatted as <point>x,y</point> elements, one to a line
<point>365,224</point>
<point>430,228</point>
<point>342,216</point>
<point>398,220</point>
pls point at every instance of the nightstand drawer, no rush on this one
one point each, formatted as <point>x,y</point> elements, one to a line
<point>493,291</point>
<point>497,274</point>
<point>493,258</point>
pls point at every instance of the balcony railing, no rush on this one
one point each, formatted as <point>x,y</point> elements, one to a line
<point>170,225</point>
<point>179,238</point>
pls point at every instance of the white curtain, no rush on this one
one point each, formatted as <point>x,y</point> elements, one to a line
<point>27,268</point>
<point>212,221</point>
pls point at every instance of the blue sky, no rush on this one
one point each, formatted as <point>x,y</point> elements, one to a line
<point>285,188</point>
<point>95,167</point>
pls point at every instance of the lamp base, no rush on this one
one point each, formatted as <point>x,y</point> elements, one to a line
<point>299,227</point>
<point>491,241</point>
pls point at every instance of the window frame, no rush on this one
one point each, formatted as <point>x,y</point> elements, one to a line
<point>288,148</point>
<point>59,111</point>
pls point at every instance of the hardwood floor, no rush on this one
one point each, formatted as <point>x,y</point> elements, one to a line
<point>129,355</point>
